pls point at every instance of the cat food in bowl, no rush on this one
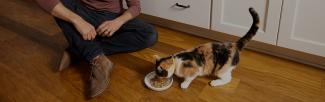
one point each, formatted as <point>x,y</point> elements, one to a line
<point>157,83</point>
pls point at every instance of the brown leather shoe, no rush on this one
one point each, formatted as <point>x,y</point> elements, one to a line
<point>65,61</point>
<point>100,75</point>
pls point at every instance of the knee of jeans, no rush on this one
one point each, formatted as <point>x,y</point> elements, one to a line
<point>152,36</point>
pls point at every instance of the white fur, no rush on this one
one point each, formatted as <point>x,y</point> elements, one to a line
<point>201,72</point>
<point>224,74</point>
<point>187,81</point>
<point>171,71</point>
<point>178,62</point>
<point>226,78</point>
<point>159,69</point>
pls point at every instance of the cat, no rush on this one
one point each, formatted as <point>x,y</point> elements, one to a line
<point>215,58</point>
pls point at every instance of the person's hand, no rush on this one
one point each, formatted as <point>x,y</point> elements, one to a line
<point>108,28</point>
<point>86,30</point>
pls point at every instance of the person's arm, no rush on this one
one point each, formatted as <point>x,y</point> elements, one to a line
<point>108,28</point>
<point>57,9</point>
<point>132,12</point>
<point>86,30</point>
<point>47,5</point>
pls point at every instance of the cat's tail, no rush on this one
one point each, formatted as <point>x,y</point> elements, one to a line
<point>252,31</point>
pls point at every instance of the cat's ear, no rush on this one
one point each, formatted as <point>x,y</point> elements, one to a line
<point>157,57</point>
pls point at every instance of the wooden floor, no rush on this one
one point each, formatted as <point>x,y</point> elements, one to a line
<point>27,72</point>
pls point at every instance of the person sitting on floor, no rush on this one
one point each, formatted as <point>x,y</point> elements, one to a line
<point>95,28</point>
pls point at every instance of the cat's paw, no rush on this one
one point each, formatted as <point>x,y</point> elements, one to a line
<point>217,82</point>
<point>184,85</point>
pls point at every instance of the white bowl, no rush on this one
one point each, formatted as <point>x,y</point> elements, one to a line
<point>151,75</point>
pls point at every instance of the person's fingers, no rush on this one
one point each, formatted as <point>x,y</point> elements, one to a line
<point>93,34</point>
<point>90,34</point>
<point>106,32</point>
<point>101,26</point>
<point>111,33</point>
<point>87,38</point>
<point>84,36</point>
<point>101,29</point>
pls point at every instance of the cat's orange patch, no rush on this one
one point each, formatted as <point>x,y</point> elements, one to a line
<point>189,71</point>
<point>166,63</point>
<point>206,50</point>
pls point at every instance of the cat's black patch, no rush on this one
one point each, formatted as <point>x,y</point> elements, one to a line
<point>185,56</point>
<point>220,54</point>
<point>193,55</point>
<point>161,73</point>
<point>199,57</point>
<point>187,65</point>
<point>235,59</point>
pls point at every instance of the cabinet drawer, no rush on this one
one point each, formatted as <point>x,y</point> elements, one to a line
<point>197,14</point>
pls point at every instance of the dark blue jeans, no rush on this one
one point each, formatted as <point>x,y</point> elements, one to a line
<point>132,36</point>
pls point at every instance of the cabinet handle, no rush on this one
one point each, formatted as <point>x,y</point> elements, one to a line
<point>182,6</point>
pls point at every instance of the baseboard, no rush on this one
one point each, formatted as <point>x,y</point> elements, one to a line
<point>297,56</point>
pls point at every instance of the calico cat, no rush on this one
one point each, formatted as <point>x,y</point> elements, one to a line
<point>215,58</point>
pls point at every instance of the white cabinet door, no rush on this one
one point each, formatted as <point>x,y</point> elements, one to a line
<point>302,26</point>
<point>198,13</point>
<point>232,17</point>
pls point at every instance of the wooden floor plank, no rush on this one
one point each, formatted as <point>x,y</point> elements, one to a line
<point>148,54</point>
<point>12,88</point>
<point>33,62</point>
<point>6,34</point>
<point>287,76</point>
<point>166,48</point>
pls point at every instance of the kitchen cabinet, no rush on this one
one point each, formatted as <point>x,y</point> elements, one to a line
<point>302,26</point>
<point>295,27</point>
<point>232,17</point>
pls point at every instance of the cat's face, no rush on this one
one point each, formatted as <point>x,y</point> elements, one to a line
<point>165,67</point>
